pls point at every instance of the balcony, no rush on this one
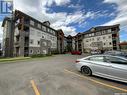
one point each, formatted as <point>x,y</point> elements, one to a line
<point>17,33</point>
<point>16,44</point>
<point>26,34</point>
<point>26,44</point>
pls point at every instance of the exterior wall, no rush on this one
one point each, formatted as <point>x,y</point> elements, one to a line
<point>41,42</point>
<point>105,39</point>
<point>73,44</point>
<point>27,29</point>
<point>60,46</point>
<point>93,43</point>
<point>44,48</point>
<point>36,35</point>
<point>6,39</point>
<point>65,44</point>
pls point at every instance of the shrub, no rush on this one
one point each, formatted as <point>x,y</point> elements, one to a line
<point>48,54</point>
<point>38,55</point>
<point>55,52</point>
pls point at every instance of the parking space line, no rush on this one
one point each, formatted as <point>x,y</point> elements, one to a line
<point>35,87</point>
<point>97,82</point>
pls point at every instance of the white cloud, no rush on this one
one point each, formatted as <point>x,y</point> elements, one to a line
<point>69,30</point>
<point>121,17</point>
<point>57,2</point>
<point>38,10</point>
<point>76,6</point>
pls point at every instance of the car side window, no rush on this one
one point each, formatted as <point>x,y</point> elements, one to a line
<point>116,60</point>
<point>97,58</point>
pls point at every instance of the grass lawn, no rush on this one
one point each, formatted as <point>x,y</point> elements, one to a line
<point>16,59</point>
<point>13,59</point>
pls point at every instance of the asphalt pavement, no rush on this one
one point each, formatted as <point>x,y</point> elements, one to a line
<point>53,76</point>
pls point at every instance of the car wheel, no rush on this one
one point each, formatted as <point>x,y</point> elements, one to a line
<point>86,71</point>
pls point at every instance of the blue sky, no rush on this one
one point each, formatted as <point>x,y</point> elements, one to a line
<point>74,16</point>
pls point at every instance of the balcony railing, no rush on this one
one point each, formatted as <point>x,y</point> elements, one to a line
<point>26,34</point>
<point>26,45</point>
<point>16,44</point>
<point>17,33</point>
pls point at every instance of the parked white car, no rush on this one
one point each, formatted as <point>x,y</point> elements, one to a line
<point>107,66</point>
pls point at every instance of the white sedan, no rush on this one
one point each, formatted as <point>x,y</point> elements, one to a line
<point>107,66</point>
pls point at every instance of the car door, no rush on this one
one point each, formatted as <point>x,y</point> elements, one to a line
<point>99,67</point>
<point>118,67</point>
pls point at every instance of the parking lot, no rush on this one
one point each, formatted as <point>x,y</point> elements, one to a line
<point>53,76</point>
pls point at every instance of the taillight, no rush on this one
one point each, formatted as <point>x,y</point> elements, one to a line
<point>77,61</point>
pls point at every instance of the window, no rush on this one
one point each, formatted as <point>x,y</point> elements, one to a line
<point>48,29</point>
<point>53,32</point>
<point>48,37</point>
<point>54,44</point>
<point>38,51</point>
<point>109,31</point>
<point>104,32</point>
<point>39,25</point>
<point>31,22</point>
<point>31,41</point>
<point>109,36</point>
<point>39,34</point>
<point>43,36</point>
<point>87,41</point>
<point>98,38</point>
<point>98,33</point>
<point>38,42</point>
<point>32,32</point>
<point>104,43</point>
<point>44,52</point>
<point>96,58</point>
<point>86,35</point>
<point>44,43</point>
<point>52,38</point>
<point>116,60</point>
<point>110,43</point>
<point>103,37</point>
<point>43,28</point>
<point>93,39</point>
<point>92,34</point>
<point>31,51</point>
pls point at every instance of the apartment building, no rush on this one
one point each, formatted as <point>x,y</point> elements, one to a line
<point>30,36</point>
<point>60,41</point>
<point>7,37</point>
<point>25,36</point>
<point>79,42</point>
<point>69,40</point>
<point>97,38</point>
<point>101,38</point>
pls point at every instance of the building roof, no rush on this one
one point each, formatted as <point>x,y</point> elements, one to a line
<point>46,23</point>
<point>123,43</point>
<point>69,36</point>
<point>6,19</point>
<point>60,31</point>
<point>98,28</point>
<point>19,14</point>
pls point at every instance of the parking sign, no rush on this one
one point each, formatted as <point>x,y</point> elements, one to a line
<point>6,7</point>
